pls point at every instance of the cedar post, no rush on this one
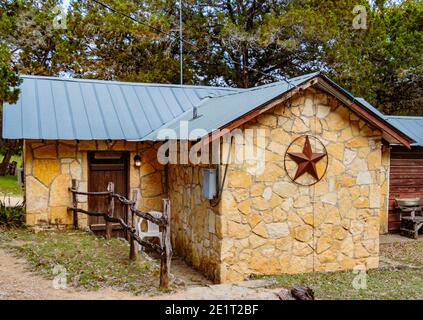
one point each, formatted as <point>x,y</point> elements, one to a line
<point>75,203</point>
<point>110,210</point>
<point>133,247</point>
<point>166,257</point>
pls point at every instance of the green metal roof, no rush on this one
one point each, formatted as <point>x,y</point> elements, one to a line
<point>214,113</point>
<point>74,109</point>
<point>412,126</point>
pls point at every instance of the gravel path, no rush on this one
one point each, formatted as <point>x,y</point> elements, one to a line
<point>11,201</point>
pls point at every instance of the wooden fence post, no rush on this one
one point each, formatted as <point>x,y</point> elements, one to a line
<point>75,203</point>
<point>166,257</point>
<point>133,246</point>
<point>110,210</point>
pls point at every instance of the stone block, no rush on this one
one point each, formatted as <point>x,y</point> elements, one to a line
<point>48,151</point>
<point>36,196</point>
<point>60,195</point>
<point>277,230</point>
<point>239,179</point>
<point>151,185</point>
<point>66,151</point>
<point>60,215</point>
<point>46,170</point>
<point>304,233</point>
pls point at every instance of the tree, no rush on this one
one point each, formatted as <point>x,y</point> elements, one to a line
<point>9,80</point>
<point>30,44</point>
<point>9,92</point>
<point>29,29</point>
<point>110,46</point>
<point>231,38</point>
<point>382,62</point>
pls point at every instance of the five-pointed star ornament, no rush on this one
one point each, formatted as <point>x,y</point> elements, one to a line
<point>306,160</point>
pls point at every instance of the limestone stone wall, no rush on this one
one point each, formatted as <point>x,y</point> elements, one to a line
<point>384,190</point>
<point>196,225</point>
<point>50,167</point>
<point>271,225</point>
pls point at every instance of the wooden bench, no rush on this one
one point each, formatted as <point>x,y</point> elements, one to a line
<point>411,216</point>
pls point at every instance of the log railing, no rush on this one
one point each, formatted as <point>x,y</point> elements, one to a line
<point>165,251</point>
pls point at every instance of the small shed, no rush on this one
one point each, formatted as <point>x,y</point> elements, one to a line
<point>302,180</point>
<point>406,166</point>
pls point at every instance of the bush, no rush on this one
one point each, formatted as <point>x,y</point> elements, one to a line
<point>12,217</point>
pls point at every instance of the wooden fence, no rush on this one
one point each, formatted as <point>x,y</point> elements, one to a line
<point>165,251</point>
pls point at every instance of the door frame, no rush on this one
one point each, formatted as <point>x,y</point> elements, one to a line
<point>126,155</point>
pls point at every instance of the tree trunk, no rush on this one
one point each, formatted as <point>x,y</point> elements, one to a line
<point>11,148</point>
<point>6,160</point>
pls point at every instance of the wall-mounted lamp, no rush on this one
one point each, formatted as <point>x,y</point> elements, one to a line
<point>137,160</point>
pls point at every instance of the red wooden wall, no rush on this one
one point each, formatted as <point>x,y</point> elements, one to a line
<point>406,179</point>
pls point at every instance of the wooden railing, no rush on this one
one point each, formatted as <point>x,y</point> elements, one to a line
<point>165,251</point>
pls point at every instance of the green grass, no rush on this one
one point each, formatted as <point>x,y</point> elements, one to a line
<point>9,185</point>
<point>90,262</point>
<point>381,285</point>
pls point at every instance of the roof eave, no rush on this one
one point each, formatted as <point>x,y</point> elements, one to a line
<point>326,85</point>
<point>260,109</point>
<point>361,110</point>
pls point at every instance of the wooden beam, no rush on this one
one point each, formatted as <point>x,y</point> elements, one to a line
<point>363,112</point>
<point>75,203</point>
<point>110,210</point>
<point>381,124</point>
<point>166,257</point>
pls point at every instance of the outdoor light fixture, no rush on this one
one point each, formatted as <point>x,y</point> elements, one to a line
<point>137,160</point>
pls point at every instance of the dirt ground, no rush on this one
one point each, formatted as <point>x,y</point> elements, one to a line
<point>17,283</point>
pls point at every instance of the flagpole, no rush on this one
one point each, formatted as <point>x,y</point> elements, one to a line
<point>181,53</point>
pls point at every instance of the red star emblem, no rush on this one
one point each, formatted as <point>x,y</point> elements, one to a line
<point>306,160</point>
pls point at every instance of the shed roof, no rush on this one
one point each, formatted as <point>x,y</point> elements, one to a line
<point>412,126</point>
<point>217,112</point>
<point>73,109</point>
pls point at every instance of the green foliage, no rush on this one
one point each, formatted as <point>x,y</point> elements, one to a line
<point>110,46</point>
<point>383,63</point>
<point>9,80</point>
<point>12,217</point>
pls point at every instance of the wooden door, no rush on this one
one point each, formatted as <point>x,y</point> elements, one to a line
<point>105,167</point>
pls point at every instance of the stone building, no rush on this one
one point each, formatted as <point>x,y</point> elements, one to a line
<point>301,167</point>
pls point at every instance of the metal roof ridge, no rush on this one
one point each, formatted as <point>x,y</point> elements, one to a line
<point>262,87</point>
<point>287,81</point>
<point>404,117</point>
<point>115,82</point>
